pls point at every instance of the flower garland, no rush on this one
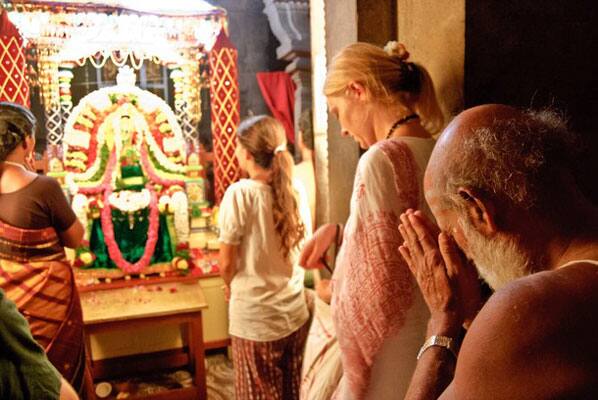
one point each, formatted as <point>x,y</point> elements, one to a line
<point>74,131</point>
<point>152,234</point>
<point>96,166</point>
<point>161,157</point>
<point>148,168</point>
<point>106,182</point>
<point>130,201</point>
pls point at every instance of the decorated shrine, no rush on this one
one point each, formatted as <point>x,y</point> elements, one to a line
<point>124,162</point>
<point>128,160</point>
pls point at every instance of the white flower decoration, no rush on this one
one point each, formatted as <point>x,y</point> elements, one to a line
<point>80,205</point>
<point>180,204</point>
<point>391,47</point>
<point>130,201</point>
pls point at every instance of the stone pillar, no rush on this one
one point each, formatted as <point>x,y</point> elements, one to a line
<point>333,26</point>
<point>300,71</point>
<point>289,21</point>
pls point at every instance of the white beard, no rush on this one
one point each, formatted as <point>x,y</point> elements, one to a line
<point>499,261</point>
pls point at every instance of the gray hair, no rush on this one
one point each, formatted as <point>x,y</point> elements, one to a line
<point>520,160</point>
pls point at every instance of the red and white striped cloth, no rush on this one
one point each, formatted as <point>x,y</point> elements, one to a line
<point>269,370</point>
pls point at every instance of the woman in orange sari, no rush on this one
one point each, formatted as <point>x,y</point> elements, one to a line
<point>36,222</point>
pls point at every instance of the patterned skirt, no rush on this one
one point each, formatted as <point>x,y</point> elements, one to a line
<point>35,275</point>
<point>269,370</point>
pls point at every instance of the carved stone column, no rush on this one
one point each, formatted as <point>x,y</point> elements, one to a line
<point>289,21</point>
<point>333,26</point>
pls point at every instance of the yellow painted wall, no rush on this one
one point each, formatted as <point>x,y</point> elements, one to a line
<point>434,33</point>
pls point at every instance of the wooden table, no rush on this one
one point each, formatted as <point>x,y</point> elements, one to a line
<point>150,306</point>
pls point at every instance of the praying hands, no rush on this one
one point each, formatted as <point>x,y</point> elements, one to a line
<point>449,283</point>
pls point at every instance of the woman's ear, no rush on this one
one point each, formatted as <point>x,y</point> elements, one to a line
<point>247,155</point>
<point>481,210</point>
<point>28,143</point>
<point>357,90</point>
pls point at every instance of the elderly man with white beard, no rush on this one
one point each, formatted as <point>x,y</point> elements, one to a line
<point>501,185</point>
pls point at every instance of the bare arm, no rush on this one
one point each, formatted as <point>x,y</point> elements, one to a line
<point>72,236</point>
<point>528,341</point>
<point>315,248</point>
<point>228,261</point>
<point>66,391</point>
<point>435,369</point>
<point>451,292</point>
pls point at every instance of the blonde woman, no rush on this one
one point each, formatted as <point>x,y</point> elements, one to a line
<point>261,228</point>
<point>387,104</point>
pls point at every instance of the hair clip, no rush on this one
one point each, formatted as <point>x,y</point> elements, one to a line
<point>281,147</point>
<point>394,48</point>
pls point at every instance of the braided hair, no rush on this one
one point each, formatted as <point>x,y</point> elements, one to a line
<point>16,124</point>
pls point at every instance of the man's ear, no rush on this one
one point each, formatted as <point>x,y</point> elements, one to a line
<point>481,210</point>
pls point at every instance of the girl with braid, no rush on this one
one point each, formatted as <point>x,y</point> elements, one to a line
<point>261,230</point>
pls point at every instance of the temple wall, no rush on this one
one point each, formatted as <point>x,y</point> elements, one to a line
<point>527,53</point>
<point>515,52</point>
<point>434,34</point>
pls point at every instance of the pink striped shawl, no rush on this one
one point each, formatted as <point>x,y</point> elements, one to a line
<point>372,287</point>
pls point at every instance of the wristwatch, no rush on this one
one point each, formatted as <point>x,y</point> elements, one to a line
<point>441,341</point>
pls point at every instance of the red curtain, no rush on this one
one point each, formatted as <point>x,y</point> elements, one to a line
<point>13,79</point>
<point>278,90</point>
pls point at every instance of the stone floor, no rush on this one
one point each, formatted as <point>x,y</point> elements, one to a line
<point>220,378</point>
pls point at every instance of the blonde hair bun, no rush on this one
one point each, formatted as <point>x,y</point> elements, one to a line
<point>388,77</point>
<point>396,49</point>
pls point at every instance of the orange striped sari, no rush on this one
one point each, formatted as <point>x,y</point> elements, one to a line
<point>35,275</point>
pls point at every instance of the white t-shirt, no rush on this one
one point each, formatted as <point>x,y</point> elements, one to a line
<point>267,299</point>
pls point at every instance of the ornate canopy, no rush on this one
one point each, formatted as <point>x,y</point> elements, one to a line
<point>180,34</point>
<point>76,31</point>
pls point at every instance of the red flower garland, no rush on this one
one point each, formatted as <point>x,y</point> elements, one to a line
<point>152,234</point>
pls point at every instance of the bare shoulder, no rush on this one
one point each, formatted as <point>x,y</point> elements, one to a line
<point>15,179</point>
<point>533,339</point>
